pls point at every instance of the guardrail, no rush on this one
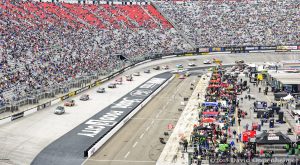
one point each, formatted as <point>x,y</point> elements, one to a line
<point>199,51</point>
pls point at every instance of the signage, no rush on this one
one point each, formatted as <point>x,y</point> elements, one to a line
<point>140,92</point>
<point>17,116</point>
<point>72,94</point>
<point>268,48</point>
<point>273,137</point>
<point>252,48</point>
<point>112,115</point>
<point>203,49</point>
<point>286,47</point>
<point>216,49</point>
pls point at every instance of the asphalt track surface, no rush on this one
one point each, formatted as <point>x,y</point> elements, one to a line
<point>69,149</point>
<point>22,139</point>
<point>137,143</point>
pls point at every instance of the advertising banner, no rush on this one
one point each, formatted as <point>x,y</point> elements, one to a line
<point>216,49</point>
<point>72,94</point>
<point>17,116</point>
<point>286,47</point>
<point>251,48</point>
<point>227,49</point>
<point>203,50</point>
<point>299,47</point>
<point>267,48</point>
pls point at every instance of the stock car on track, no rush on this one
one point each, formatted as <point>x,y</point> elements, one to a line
<point>179,66</point>
<point>156,67</point>
<point>112,85</point>
<point>129,78</point>
<point>217,61</point>
<point>147,71</point>
<point>181,76</point>
<point>100,90</point>
<point>119,81</point>
<point>206,62</point>
<point>84,97</point>
<point>70,103</point>
<point>187,74</point>
<point>165,67</point>
<point>191,64</point>
<point>59,110</point>
<point>136,74</point>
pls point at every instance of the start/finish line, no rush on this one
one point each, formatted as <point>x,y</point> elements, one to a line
<point>69,149</point>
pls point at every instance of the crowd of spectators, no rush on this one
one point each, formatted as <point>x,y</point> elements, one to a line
<point>40,49</point>
<point>43,45</point>
<point>221,23</point>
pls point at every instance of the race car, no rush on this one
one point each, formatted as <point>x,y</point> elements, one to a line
<point>100,90</point>
<point>119,81</point>
<point>218,61</point>
<point>206,62</point>
<point>179,66</point>
<point>70,103</point>
<point>84,97</point>
<point>181,77</point>
<point>59,110</point>
<point>136,74</point>
<point>129,78</point>
<point>191,64</point>
<point>112,85</point>
<point>165,67</point>
<point>156,68</point>
<point>187,74</point>
<point>147,71</point>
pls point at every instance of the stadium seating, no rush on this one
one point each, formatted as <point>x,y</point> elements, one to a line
<point>49,47</point>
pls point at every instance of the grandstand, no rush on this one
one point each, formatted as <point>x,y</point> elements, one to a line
<point>48,45</point>
<point>52,47</point>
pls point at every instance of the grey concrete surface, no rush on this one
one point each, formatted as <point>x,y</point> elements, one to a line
<point>138,141</point>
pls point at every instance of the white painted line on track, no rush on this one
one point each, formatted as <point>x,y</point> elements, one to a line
<point>127,154</point>
<point>147,128</point>
<point>152,122</point>
<point>142,135</point>
<point>134,144</point>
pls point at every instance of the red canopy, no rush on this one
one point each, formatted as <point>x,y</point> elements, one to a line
<point>208,120</point>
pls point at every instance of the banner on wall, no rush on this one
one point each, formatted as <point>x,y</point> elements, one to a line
<point>251,48</point>
<point>299,47</point>
<point>203,50</point>
<point>268,48</point>
<point>286,47</point>
<point>216,49</point>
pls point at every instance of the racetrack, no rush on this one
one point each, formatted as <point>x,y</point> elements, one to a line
<point>138,141</point>
<point>22,139</point>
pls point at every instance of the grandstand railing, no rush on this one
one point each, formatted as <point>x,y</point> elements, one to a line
<point>88,81</point>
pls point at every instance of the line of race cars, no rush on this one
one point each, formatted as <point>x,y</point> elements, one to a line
<point>119,80</point>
